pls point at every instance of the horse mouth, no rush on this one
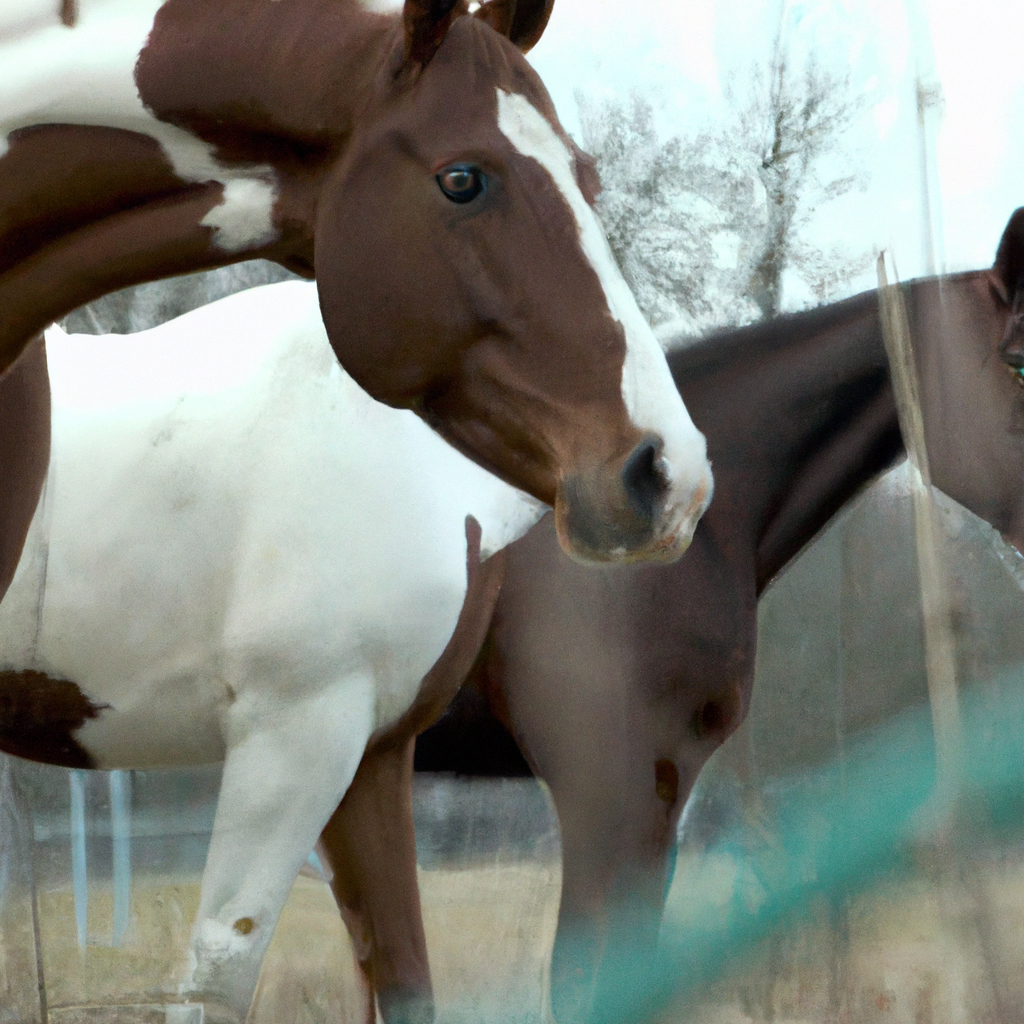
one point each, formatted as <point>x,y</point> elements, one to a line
<point>674,544</point>
<point>587,535</point>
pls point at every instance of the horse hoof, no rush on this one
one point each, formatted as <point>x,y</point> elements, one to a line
<point>396,1008</point>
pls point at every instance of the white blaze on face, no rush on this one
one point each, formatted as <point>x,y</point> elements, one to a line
<point>85,75</point>
<point>648,391</point>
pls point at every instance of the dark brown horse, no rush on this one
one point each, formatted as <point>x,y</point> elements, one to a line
<point>619,684</point>
<point>410,158</point>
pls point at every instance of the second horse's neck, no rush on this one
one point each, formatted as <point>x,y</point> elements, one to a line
<point>799,414</point>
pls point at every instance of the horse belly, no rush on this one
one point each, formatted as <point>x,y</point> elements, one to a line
<point>123,588</point>
<point>76,691</point>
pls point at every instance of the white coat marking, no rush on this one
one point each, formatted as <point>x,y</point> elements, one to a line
<point>648,391</point>
<point>86,77</point>
<point>248,559</point>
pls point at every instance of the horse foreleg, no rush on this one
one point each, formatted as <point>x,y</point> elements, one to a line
<point>616,862</point>
<point>287,768</point>
<point>24,451</point>
<point>370,841</point>
<point>371,848</point>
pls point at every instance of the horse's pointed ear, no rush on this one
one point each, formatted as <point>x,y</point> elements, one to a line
<point>1009,266</point>
<point>523,21</point>
<point>426,24</point>
<point>1007,281</point>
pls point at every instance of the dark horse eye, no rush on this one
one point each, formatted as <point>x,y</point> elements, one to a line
<point>461,183</point>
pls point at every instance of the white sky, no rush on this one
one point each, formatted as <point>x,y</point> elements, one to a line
<point>681,53</point>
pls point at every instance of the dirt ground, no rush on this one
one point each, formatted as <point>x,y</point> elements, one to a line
<point>939,948</point>
<point>944,946</point>
<point>488,930</point>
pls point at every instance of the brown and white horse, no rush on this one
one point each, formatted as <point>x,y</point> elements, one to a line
<point>410,158</point>
<point>619,685</point>
<point>241,557</point>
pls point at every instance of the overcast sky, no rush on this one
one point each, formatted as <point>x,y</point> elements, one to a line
<point>681,53</point>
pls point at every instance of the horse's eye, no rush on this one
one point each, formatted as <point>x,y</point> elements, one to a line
<point>462,183</point>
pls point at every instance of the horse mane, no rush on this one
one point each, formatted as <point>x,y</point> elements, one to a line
<point>707,353</point>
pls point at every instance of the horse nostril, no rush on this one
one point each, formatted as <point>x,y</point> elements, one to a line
<point>1013,358</point>
<point>644,478</point>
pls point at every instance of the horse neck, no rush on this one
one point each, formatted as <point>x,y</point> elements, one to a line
<point>68,237</point>
<point>799,414</point>
<point>289,80</point>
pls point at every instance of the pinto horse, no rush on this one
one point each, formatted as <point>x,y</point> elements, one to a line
<point>405,155</point>
<point>618,685</point>
<point>240,556</point>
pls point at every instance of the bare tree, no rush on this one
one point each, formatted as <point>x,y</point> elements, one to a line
<point>792,120</point>
<point>145,305</point>
<point>668,209</point>
<point>704,227</point>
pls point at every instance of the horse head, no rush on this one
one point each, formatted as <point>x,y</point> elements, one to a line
<point>972,389</point>
<point>456,241</point>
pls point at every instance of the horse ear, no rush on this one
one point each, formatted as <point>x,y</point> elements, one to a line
<point>1009,266</point>
<point>523,21</point>
<point>1007,281</point>
<point>426,24</point>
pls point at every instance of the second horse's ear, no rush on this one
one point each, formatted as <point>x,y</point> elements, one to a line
<point>1008,272</point>
<point>426,23</point>
<point>1007,280</point>
<point>523,21</point>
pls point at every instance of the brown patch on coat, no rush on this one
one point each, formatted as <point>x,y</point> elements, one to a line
<point>147,242</point>
<point>69,13</point>
<point>39,716</point>
<point>55,179</point>
<point>87,210</point>
<point>247,88</point>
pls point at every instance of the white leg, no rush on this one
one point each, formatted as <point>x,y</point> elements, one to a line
<point>283,777</point>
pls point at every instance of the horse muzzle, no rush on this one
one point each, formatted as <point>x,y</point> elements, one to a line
<point>639,508</point>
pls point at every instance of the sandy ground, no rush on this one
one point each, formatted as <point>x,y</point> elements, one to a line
<point>488,930</point>
<point>943,947</point>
